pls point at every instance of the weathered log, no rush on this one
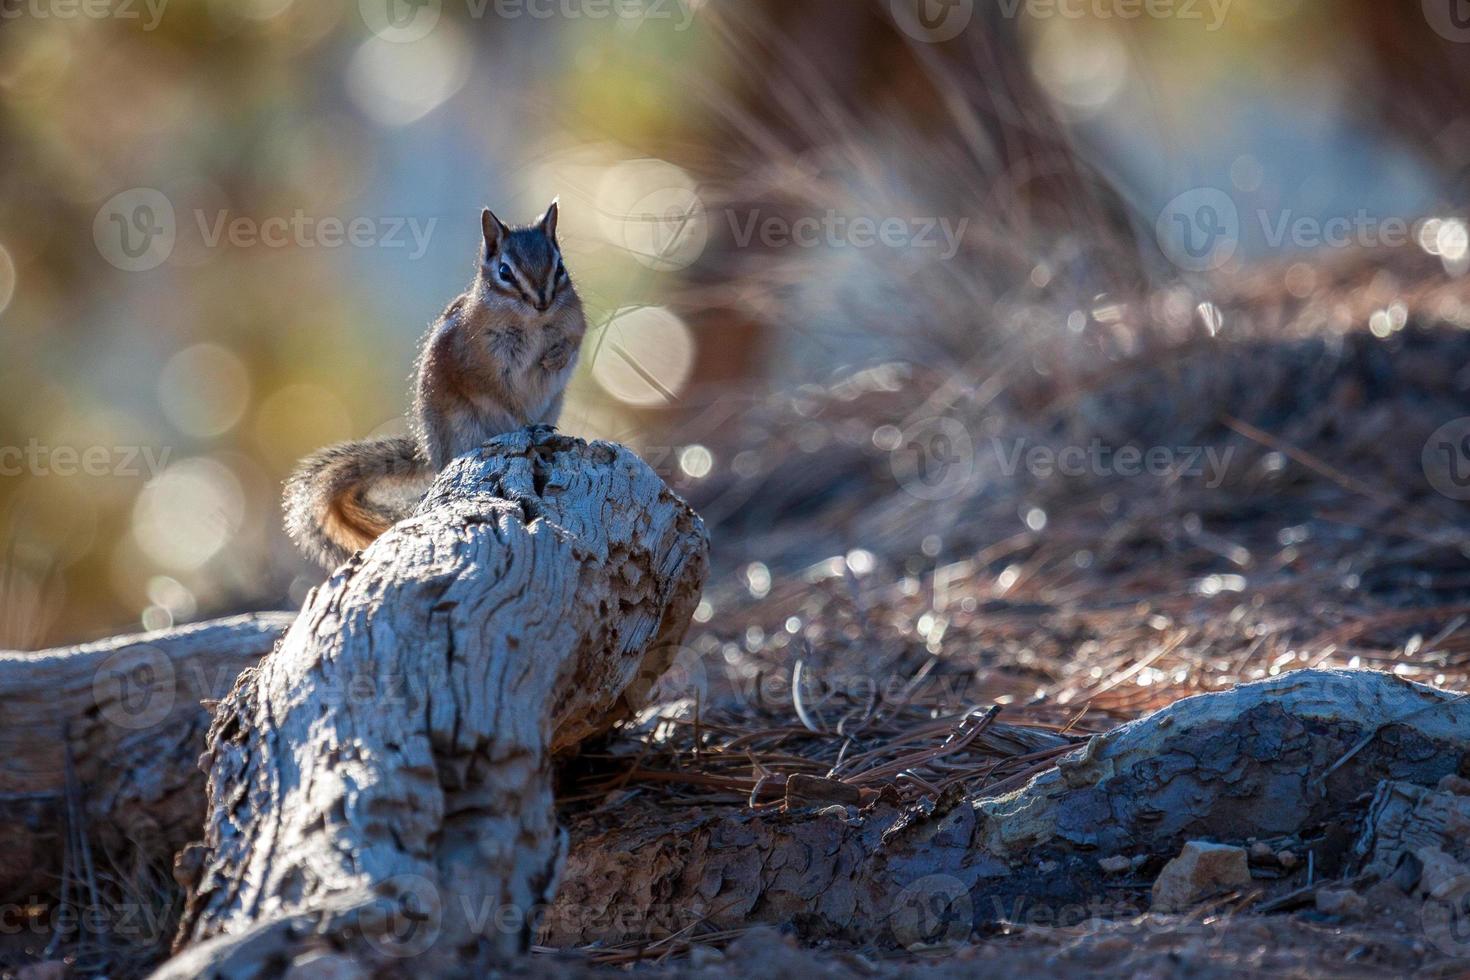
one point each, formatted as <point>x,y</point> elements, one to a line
<point>380,787</point>
<point>127,713</point>
<point>1264,760</point>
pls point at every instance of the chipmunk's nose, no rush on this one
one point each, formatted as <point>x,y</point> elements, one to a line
<point>542,303</point>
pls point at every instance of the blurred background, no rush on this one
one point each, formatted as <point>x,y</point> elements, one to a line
<point>225,224</point>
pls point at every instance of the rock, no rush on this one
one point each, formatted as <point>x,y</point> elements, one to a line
<point>1287,859</point>
<point>1202,870</point>
<point>703,956</point>
<point>1261,853</point>
<point>1340,901</point>
<point>1116,865</point>
<point>1458,785</point>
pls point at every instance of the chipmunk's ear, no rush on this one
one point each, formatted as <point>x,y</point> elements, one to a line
<point>495,231</point>
<point>549,219</point>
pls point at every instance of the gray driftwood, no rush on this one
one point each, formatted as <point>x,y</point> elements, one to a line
<point>380,787</point>
<point>127,714</point>
<point>1265,760</point>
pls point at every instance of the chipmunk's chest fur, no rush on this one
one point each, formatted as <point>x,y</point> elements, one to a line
<point>483,375</point>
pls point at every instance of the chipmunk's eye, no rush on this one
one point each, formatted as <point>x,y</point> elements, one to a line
<point>505,275</point>
<point>561,271</point>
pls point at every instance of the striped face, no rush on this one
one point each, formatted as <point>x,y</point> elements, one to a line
<point>525,264</point>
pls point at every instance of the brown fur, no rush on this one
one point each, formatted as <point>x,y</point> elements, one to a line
<point>497,359</point>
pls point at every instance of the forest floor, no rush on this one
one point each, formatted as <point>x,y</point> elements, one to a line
<point>1280,484</point>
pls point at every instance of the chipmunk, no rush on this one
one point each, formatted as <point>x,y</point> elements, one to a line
<point>497,359</point>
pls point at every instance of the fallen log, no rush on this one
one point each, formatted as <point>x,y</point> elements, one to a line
<point>1260,761</point>
<point>380,787</point>
<point>125,716</point>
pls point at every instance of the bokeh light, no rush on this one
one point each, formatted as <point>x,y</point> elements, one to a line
<point>643,356</point>
<point>397,84</point>
<point>7,278</point>
<point>188,514</point>
<point>204,390</point>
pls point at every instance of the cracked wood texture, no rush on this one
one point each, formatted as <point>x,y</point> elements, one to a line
<point>380,787</point>
<point>1265,760</point>
<point>126,714</point>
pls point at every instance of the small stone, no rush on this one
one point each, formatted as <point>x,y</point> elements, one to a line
<point>1458,785</point>
<point>1287,859</point>
<point>702,956</point>
<point>1340,902</point>
<point>1115,865</point>
<point>1202,870</point>
<point>1261,852</point>
<point>322,965</point>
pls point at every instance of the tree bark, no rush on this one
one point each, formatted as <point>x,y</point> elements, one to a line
<point>127,712</point>
<point>1262,761</point>
<point>380,791</point>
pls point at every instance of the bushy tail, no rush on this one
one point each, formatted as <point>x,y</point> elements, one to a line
<point>341,499</point>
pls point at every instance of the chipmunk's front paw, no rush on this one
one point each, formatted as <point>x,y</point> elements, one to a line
<point>558,356</point>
